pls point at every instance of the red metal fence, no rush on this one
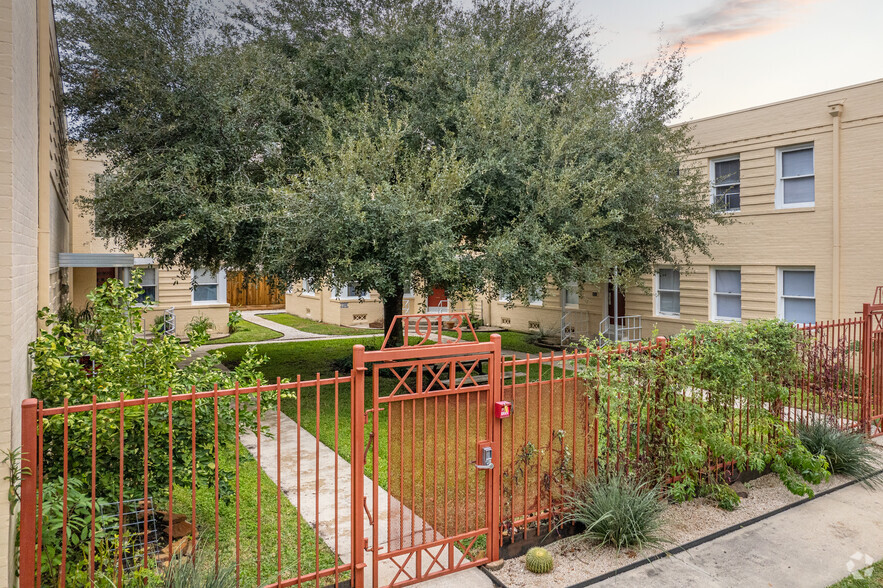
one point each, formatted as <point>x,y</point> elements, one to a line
<point>428,480</point>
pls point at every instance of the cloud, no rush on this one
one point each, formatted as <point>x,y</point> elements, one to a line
<point>732,20</point>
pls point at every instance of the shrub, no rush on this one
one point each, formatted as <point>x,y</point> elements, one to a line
<point>725,497</point>
<point>124,364</point>
<point>183,574</point>
<point>618,510</point>
<point>234,319</point>
<point>198,330</point>
<point>690,395</point>
<point>847,453</point>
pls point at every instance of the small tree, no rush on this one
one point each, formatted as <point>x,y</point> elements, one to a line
<point>106,359</point>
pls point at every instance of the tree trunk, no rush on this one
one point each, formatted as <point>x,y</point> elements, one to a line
<point>391,307</point>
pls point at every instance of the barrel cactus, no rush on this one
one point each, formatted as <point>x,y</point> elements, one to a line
<point>539,561</point>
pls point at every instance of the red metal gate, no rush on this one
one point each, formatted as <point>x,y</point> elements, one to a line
<point>872,367</point>
<point>431,413</point>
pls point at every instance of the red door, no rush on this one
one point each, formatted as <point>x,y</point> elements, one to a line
<point>436,298</point>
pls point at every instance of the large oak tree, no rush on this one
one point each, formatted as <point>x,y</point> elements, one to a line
<point>381,143</point>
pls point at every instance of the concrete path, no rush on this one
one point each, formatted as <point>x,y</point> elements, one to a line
<point>811,545</point>
<point>323,492</point>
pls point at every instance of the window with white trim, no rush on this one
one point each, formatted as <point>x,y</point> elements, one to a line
<point>208,287</point>
<point>668,292</point>
<point>797,295</point>
<point>571,296</point>
<point>148,282</point>
<point>307,288</point>
<point>536,298</point>
<point>795,177</point>
<point>505,296</point>
<point>726,299</point>
<point>351,292</point>
<point>725,184</point>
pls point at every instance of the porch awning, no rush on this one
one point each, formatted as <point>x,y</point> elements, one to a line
<point>96,259</point>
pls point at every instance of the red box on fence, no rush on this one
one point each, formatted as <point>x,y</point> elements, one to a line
<point>502,409</point>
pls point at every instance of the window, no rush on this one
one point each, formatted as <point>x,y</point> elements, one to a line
<point>668,292</point>
<point>571,296</point>
<point>148,282</point>
<point>505,296</point>
<point>797,295</point>
<point>727,295</point>
<point>536,298</point>
<point>725,184</point>
<point>208,287</point>
<point>796,182</point>
<point>307,288</point>
<point>350,292</point>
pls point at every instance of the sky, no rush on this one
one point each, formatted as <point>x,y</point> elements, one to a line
<point>743,53</point>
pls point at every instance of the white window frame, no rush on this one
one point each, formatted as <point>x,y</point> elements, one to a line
<point>536,298</point>
<point>714,294</point>
<point>780,306</point>
<point>143,263</point>
<point>715,186</point>
<point>306,289</point>
<point>337,294</point>
<point>221,278</point>
<point>780,179</point>
<point>575,290</point>
<point>656,304</point>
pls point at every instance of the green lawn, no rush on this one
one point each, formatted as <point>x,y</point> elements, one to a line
<point>869,577</point>
<point>509,341</point>
<point>316,327</point>
<point>248,534</point>
<point>248,332</point>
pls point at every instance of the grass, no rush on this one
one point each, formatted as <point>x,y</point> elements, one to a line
<point>848,453</point>
<point>509,341</point>
<point>310,326</point>
<point>248,332</point>
<point>869,577</point>
<point>618,511</point>
<point>248,531</point>
<point>418,443</point>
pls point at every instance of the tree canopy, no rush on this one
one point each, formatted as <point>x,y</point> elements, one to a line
<point>381,143</point>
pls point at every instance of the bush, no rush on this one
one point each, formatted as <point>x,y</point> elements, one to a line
<point>234,319</point>
<point>725,497</point>
<point>69,365</point>
<point>617,510</point>
<point>198,330</point>
<point>848,454</point>
<point>692,393</point>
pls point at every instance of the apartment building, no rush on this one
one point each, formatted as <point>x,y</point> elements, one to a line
<point>802,182</point>
<point>348,306</point>
<point>179,295</point>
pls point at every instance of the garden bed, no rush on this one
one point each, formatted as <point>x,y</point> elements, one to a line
<point>577,561</point>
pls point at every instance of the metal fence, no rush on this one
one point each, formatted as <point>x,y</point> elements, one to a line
<point>385,473</point>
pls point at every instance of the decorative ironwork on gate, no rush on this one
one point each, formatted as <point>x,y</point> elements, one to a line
<point>430,413</point>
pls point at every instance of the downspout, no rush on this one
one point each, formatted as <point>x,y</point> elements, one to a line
<point>835,109</point>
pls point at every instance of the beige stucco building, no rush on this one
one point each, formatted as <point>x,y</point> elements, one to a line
<point>803,183</point>
<point>34,211</point>
<point>185,294</point>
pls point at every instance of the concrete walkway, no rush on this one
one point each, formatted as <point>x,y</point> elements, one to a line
<point>323,492</point>
<point>810,545</point>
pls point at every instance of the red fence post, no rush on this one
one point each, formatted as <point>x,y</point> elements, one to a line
<point>357,388</point>
<point>866,368</point>
<point>29,457</point>
<point>496,381</point>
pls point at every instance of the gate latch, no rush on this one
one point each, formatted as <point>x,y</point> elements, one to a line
<point>485,456</point>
